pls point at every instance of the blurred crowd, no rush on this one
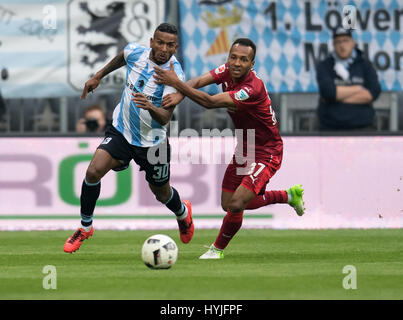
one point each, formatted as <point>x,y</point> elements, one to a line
<point>348,91</point>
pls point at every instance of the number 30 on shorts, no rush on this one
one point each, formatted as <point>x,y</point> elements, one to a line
<point>161,171</point>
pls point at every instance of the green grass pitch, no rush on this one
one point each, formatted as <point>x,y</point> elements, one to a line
<point>258,265</point>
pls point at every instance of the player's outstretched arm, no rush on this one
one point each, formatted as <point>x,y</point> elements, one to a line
<point>221,100</point>
<point>174,99</point>
<point>115,63</point>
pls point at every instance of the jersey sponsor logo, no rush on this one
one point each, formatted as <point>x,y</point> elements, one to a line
<point>220,69</point>
<point>241,95</point>
<point>140,83</point>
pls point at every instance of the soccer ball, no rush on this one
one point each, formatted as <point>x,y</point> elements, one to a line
<point>159,252</point>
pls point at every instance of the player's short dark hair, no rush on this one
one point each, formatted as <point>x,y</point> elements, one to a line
<point>167,27</point>
<point>247,43</point>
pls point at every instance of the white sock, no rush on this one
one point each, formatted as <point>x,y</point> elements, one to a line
<point>184,214</point>
<point>86,229</point>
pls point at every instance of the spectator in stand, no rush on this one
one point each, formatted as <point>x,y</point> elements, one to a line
<point>348,85</point>
<point>94,120</point>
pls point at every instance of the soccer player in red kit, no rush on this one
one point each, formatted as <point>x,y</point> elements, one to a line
<point>248,103</point>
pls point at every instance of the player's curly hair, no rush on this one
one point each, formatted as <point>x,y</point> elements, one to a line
<point>247,43</point>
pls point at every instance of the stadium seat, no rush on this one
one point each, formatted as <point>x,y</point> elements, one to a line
<point>298,112</point>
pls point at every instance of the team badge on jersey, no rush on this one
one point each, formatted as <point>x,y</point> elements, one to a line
<point>220,69</point>
<point>241,95</point>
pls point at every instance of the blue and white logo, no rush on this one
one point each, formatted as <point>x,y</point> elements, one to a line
<point>241,95</point>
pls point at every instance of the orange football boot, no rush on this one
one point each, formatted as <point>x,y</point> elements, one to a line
<point>186,226</point>
<point>74,242</point>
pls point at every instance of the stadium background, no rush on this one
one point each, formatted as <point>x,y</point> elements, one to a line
<point>350,181</point>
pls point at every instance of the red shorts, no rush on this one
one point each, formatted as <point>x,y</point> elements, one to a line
<point>254,177</point>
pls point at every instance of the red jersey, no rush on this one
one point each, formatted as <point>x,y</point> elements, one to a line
<point>254,111</point>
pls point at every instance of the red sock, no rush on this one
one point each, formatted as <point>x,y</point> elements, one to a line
<point>231,224</point>
<point>269,197</point>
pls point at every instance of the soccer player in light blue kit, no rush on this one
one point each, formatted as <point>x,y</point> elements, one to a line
<point>139,123</point>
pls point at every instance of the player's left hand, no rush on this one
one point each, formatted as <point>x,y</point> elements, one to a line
<point>171,100</point>
<point>167,77</point>
<point>141,101</point>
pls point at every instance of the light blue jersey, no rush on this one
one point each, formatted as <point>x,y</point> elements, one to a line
<point>136,124</point>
